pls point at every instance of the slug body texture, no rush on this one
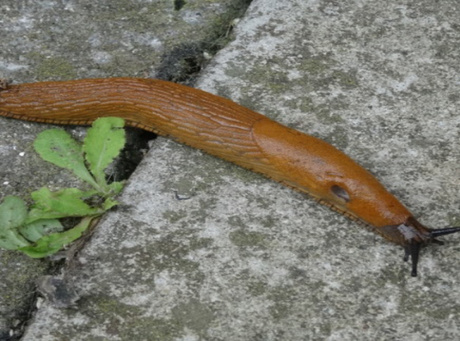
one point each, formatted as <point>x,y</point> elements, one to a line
<point>226,130</point>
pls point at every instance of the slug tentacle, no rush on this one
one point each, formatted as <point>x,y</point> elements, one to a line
<point>416,235</point>
<point>234,133</point>
<point>412,250</point>
<point>444,231</point>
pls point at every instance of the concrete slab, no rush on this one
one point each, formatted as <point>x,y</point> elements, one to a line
<point>244,258</point>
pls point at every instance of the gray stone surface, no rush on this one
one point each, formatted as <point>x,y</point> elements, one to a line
<point>247,259</point>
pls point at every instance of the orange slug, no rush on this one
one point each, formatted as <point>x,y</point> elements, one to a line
<point>231,132</point>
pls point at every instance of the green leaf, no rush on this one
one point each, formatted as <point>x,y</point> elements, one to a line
<point>12,240</point>
<point>58,147</point>
<point>39,228</point>
<point>102,144</point>
<point>52,243</point>
<point>13,213</point>
<point>116,187</point>
<point>109,203</point>
<point>67,202</point>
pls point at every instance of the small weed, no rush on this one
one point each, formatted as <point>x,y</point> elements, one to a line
<point>38,232</point>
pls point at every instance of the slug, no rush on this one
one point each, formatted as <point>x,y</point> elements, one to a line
<point>231,132</point>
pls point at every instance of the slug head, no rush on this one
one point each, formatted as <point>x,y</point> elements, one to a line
<point>416,235</point>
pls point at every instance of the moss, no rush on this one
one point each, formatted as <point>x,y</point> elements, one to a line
<point>243,238</point>
<point>282,298</point>
<point>275,80</point>
<point>314,66</point>
<point>257,288</point>
<point>19,274</point>
<point>153,329</point>
<point>194,315</point>
<point>454,219</point>
<point>122,321</point>
<point>55,67</point>
<point>268,221</point>
<point>24,274</point>
<point>347,80</point>
<point>173,216</point>
<point>127,321</point>
<point>338,137</point>
<point>172,255</point>
<point>200,243</point>
<point>306,105</point>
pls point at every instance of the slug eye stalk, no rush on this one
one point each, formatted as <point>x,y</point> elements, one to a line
<point>412,249</point>
<point>444,231</point>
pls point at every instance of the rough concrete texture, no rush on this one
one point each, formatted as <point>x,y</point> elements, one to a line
<point>244,258</point>
<point>56,40</point>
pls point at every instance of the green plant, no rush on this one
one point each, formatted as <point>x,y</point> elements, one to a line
<point>38,232</point>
